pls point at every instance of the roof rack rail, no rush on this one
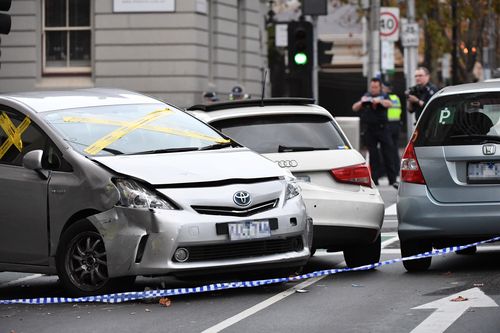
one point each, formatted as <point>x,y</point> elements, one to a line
<point>252,102</point>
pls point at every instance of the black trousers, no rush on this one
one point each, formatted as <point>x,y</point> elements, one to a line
<point>376,134</point>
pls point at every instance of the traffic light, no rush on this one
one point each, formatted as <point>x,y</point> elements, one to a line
<point>324,53</point>
<point>300,58</point>
<point>300,44</point>
<point>5,21</point>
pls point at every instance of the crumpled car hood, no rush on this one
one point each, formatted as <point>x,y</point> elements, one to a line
<point>195,166</point>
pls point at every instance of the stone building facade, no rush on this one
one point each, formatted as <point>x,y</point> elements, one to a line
<point>173,49</point>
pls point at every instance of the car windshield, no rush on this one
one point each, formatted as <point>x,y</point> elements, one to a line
<point>283,133</point>
<point>461,119</point>
<point>132,129</point>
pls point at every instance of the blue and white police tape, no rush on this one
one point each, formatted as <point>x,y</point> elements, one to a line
<point>140,295</point>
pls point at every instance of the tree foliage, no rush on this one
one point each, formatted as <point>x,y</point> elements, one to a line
<point>472,20</point>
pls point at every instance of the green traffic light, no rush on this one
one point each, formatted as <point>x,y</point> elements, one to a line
<point>300,58</point>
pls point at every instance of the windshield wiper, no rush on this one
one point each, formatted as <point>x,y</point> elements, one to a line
<point>166,150</point>
<point>486,138</point>
<point>109,150</point>
<point>218,146</point>
<point>286,149</point>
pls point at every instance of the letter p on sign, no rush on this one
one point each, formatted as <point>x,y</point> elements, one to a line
<point>446,116</point>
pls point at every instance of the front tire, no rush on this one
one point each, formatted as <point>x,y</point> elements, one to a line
<point>411,248</point>
<point>82,263</point>
<point>363,255</point>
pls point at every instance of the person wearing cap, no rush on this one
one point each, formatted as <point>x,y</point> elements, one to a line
<point>394,124</point>
<point>237,94</point>
<point>210,97</point>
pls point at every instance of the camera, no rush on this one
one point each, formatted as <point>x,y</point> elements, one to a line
<point>415,91</point>
<point>366,101</point>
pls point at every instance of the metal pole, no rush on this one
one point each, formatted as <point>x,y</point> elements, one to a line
<point>411,54</point>
<point>492,39</point>
<point>374,40</point>
<point>315,59</point>
<point>454,44</point>
<point>486,49</point>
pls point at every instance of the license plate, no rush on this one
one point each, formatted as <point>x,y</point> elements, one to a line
<point>483,172</point>
<point>249,230</point>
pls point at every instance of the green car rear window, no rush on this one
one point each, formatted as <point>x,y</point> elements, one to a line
<point>460,119</point>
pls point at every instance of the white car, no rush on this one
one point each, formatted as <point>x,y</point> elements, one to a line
<point>101,185</point>
<point>346,207</point>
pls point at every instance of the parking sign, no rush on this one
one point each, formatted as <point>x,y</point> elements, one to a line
<point>410,34</point>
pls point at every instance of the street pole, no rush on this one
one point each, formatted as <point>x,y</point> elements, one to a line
<point>492,39</point>
<point>411,54</point>
<point>454,44</point>
<point>486,49</point>
<point>374,41</point>
<point>315,59</point>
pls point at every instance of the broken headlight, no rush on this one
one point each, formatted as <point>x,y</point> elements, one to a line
<point>135,195</point>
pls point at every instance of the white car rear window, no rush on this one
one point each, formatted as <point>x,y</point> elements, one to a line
<point>270,134</point>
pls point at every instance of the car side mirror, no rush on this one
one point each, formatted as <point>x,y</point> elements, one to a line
<point>33,161</point>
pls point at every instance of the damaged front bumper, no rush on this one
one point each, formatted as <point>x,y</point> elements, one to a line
<point>143,241</point>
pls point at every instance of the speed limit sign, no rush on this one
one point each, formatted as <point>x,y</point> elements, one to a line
<point>389,23</point>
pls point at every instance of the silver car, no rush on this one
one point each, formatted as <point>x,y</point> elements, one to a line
<point>102,185</point>
<point>450,173</point>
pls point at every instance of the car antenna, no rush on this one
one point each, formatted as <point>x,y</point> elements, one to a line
<point>263,87</point>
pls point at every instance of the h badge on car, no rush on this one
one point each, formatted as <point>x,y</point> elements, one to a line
<point>489,149</point>
<point>242,198</point>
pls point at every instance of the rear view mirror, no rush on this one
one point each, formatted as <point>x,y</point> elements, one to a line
<point>33,161</point>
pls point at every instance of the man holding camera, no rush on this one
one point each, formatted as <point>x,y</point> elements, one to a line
<point>421,93</point>
<point>373,108</point>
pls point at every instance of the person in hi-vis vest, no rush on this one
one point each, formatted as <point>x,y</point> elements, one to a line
<point>394,124</point>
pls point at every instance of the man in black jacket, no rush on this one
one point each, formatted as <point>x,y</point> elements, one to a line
<point>421,93</point>
<point>373,108</point>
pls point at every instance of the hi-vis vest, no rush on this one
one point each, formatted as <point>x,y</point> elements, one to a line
<point>394,112</point>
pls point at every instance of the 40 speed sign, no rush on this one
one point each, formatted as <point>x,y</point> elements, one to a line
<point>389,23</point>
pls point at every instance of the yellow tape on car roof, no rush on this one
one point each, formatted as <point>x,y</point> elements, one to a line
<point>13,133</point>
<point>105,141</point>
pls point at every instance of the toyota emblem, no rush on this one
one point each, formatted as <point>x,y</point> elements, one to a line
<point>287,163</point>
<point>242,198</point>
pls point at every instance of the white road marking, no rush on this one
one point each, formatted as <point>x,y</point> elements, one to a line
<point>276,298</point>
<point>447,312</point>
<point>391,210</point>
<point>486,248</point>
<point>393,239</point>
<point>20,280</point>
<point>391,251</point>
<point>260,306</point>
<point>323,253</point>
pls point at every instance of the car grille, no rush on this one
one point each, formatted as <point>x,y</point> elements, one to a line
<point>244,249</point>
<point>232,211</point>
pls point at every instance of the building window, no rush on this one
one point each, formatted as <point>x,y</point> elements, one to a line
<point>66,36</point>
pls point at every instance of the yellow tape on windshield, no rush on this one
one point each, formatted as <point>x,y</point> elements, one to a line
<point>105,141</point>
<point>13,133</point>
<point>161,129</point>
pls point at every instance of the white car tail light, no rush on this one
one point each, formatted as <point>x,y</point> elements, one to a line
<point>358,174</point>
